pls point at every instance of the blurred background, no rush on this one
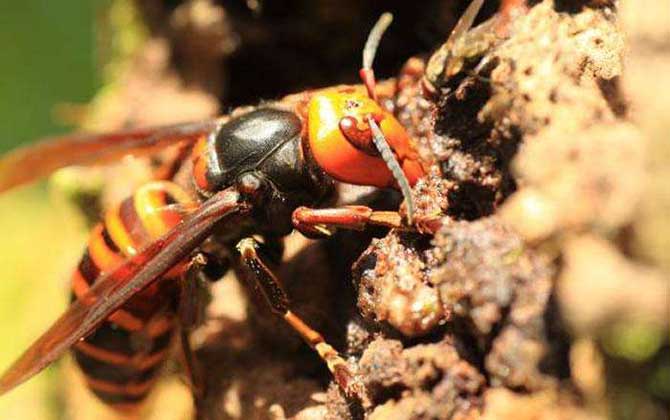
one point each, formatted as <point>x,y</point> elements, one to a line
<point>48,59</point>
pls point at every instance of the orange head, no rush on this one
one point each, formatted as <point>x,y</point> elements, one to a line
<point>357,141</point>
<point>341,139</point>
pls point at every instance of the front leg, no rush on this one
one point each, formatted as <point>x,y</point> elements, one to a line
<point>320,222</point>
<point>279,302</point>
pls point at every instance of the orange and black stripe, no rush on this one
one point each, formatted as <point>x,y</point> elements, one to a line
<point>121,359</point>
<point>200,166</point>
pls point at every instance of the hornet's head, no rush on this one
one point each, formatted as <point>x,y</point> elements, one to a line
<point>355,140</point>
<point>342,140</point>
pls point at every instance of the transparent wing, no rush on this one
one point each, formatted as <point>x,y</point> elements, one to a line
<point>32,162</point>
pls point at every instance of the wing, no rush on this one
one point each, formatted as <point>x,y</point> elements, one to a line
<point>115,288</point>
<point>32,162</point>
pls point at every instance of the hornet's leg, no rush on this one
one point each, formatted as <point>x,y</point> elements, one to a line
<point>192,302</point>
<point>276,297</point>
<point>319,222</point>
<point>192,370</point>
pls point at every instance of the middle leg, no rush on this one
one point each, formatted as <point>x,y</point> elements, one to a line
<point>279,302</point>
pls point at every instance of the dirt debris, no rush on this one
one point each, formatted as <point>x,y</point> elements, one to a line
<point>392,282</point>
<point>498,291</point>
<point>429,381</point>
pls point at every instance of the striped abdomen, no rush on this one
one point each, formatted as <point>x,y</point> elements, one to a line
<point>121,359</point>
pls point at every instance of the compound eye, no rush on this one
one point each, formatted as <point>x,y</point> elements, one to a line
<point>359,135</point>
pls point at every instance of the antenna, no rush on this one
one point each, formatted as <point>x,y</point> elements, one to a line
<point>370,50</point>
<point>368,77</point>
<point>393,165</point>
